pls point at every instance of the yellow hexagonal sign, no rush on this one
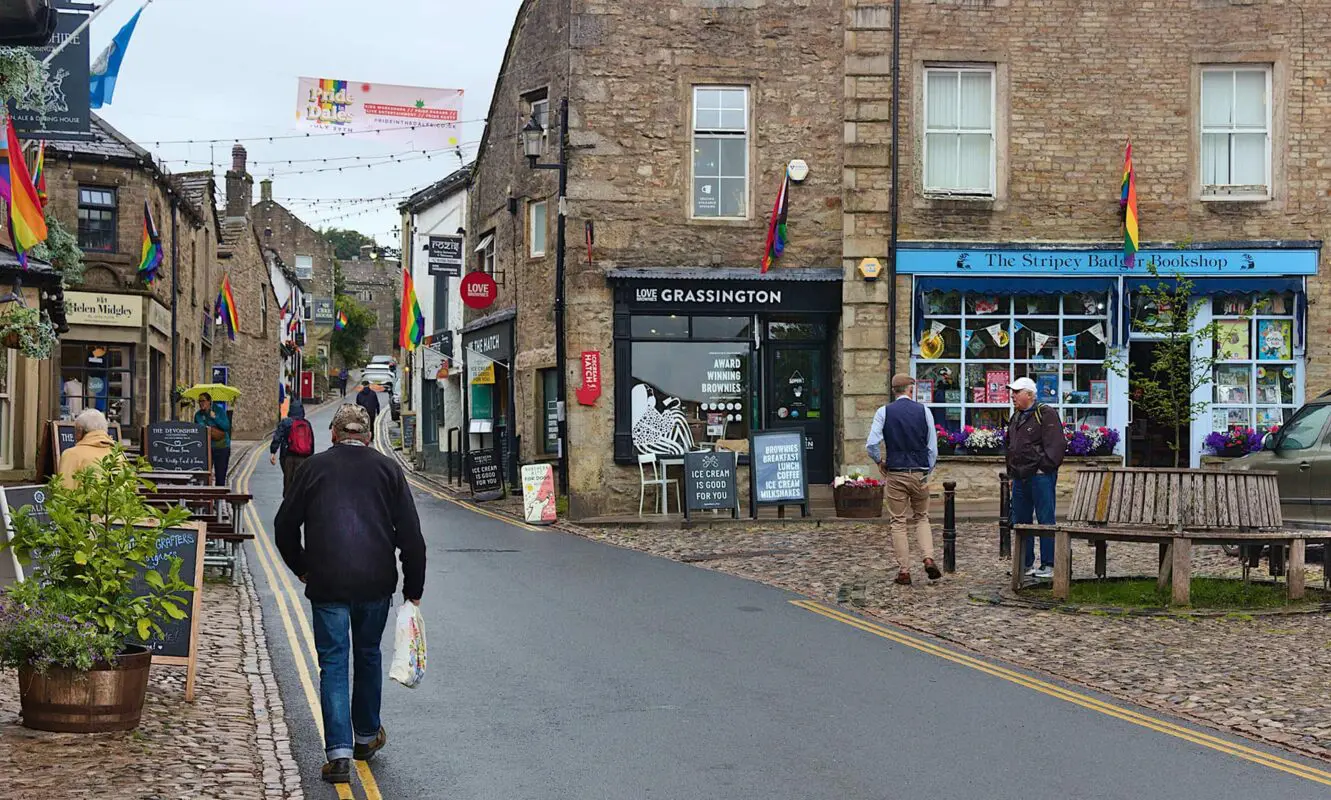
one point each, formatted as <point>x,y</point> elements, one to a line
<point>870,268</point>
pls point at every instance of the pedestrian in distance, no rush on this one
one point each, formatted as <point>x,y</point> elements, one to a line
<point>93,445</point>
<point>217,422</point>
<point>368,399</point>
<point>1035,449</point>
<point>342,376</point>
<point>293,442</point>
<point>904,444</point>
<point>346,520</point>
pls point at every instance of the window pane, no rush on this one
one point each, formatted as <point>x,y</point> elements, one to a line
<point>706,156</point>
<point>721,327</point>
<point>951,336</point>
<point>732,120</point>
<point>663,327</point>
<point>1046,377</point>
<point>788,331</point>
<point>538,228</point>
<point>1305,429</point>
<point>1084,305</point>
<point>707,98</point>
<point>974,161</point>
<point>1249,159</point>
<point>679,386</point>
<point>1036,304</point>
<point>732,98</point>
<point>949,418</point>
<point>706,193</point>
<point>987,417</point>
<point>1215,159</point>
<point>708,119</point>
<point>988,305</point>
<point>1275,339</point>
<point>733,201</point>
<point>1232,384</point>
<point>1233,342</point>
<point>942,303</point>
<point>946,389</point>
<point>940,168</point>
<point>1250,99</point>
<point>976,101</point>
<point>987,383</point>
<point>941,111</point>
<point>1041,331</point>
<point>1217,98</point>
<point>731,158</point>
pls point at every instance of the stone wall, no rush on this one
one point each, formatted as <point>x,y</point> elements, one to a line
<point>381,281</point>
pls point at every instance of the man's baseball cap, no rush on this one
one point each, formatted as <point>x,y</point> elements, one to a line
<point>1022,385</point>
<point>901,380</point>
<point>351,419</point>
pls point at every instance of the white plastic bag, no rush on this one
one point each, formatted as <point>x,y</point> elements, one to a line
<point>408,667</point>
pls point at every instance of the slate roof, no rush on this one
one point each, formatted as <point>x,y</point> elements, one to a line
<point>438,190</point>
<point>106,143</point>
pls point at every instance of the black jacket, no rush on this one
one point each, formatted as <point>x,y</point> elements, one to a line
<point>368,399</point>
<point>1036,445</point>
<point>357,512</point>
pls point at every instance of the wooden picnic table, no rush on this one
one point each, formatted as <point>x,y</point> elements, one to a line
<point>221,509</point>
<point>167,478</point>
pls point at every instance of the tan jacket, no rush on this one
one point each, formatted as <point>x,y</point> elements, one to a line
<point>92,448</point>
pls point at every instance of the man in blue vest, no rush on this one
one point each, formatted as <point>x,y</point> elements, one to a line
<point>904,443</point>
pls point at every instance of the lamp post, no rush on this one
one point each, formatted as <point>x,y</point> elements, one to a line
<point>533,142</point>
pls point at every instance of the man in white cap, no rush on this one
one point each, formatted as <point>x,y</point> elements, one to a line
<point>1035,448</point>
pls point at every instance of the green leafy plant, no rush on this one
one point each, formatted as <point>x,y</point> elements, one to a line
<point>41,638</point>
<point>29,330</point>
<point>61,251</point>
<point>101,535</point>
<point>348,343</point>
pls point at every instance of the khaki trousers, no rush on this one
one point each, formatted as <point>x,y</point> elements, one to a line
<point>908,507</point>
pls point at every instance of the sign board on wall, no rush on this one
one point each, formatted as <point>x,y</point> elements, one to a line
<point>102,308</point>
<point>538,494</point>
<point>159,318</point>
<point>778,472</point>
<point>68,116</point>
<point>992,260</point>
<point>591,378</point>
<point>445,256</point>
<point>478,290</point>
<point>324,311</point>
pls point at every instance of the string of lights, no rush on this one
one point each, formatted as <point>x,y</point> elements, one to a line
<point>306,135</point>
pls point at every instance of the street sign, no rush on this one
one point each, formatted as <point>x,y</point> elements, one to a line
<point>479,290</point>
<point>445,259</point>
<point>709,482</point>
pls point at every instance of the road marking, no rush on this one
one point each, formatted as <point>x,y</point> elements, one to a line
<point>1077,698</point>
<point>284,591</point>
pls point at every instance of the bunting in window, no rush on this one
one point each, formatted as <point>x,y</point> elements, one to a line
<point>776,230</point>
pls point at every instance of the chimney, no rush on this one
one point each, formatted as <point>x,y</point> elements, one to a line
<point>266,190</point>
<point>239,186</point>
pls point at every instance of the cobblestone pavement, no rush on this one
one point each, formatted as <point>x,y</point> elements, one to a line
<point>231,742</point>
<point>1263,676</point>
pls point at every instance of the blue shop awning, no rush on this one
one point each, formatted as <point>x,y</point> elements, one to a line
<point>1045,284</point>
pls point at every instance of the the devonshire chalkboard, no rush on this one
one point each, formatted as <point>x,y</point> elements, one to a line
<point>778,470</point>
<point>186,543</point>
<point>709,482</point>
<point>177,447</point>
<point>483,472</point>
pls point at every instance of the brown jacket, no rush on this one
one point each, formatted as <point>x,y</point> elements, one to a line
<point>1037,445</point>
<point>92,448</point>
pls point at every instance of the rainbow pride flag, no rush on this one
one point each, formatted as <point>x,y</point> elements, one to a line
<point>27,225</point>
<point>39,174</point>
<point>341,322</point>
<point>413,321</point>
<point>150,254</point>
<point>776,231</point>
<point>226,308</point>
<point>1128,202</point>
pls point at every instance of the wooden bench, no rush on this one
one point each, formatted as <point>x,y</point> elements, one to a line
<point>222,511</point>
<point>1176,509</point>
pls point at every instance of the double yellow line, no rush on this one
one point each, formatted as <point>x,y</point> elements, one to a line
<point>293,620</point>
<point>1254,755</point>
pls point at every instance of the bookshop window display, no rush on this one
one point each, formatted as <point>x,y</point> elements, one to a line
<point>973,344</point>
<point>1256,386</point>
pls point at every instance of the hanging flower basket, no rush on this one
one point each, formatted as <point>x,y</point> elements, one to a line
<point>27,330</point>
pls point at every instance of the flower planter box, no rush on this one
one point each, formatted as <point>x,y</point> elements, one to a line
<point>858,502</point>
<point>105,698</point>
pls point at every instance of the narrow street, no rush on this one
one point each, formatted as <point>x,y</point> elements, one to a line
<point>563,668</point>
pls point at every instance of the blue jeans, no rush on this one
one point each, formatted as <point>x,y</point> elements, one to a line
<point>351,713</point>
<point>1033,502</point>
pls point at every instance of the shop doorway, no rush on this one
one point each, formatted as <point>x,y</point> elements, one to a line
<point>798,396</point>
<point>1150,441</point>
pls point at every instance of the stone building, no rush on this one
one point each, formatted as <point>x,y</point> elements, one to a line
<point>253,361</point>
<point>129,344</point>
<point>310,255</point>
<point>377,283</point>
<point>27,385</point>
<point>1013,125</point>
<point>682,120</point>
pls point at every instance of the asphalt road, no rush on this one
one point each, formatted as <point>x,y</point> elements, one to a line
<point>563,668</point>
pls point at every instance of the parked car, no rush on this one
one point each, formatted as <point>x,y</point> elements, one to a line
<point>381,359</point>
<point>380,375</point>
<point>395,404</point>
<point>1300,455</point>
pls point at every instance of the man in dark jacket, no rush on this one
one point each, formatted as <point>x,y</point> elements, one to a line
<point>904,442</point>
<point>1035,447</point>
<point>281,445</point>
<point>368,399</point>
<point>357,512</point>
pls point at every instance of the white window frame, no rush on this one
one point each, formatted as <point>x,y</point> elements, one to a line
<point>539,107</point>
<point>537,209</point>
<point>1223,191</point>
<point>307,307</point>
<point>304,266</point>
<point>487,250</point>
<point>983,192</point>
<point>7,410</point>
<point>718,133</point>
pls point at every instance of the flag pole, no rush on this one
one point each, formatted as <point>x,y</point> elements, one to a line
<point>80,29</point>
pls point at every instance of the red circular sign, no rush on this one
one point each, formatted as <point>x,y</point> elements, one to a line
<point>479,290</point>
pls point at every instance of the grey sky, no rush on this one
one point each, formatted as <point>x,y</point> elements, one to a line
<point>215,69</point>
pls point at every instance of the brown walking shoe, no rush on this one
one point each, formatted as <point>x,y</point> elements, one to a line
<point>931,569</point>
<point>365,752</point>
<point>903,578</point>
<point>337,771</point>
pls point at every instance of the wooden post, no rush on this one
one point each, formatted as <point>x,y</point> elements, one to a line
<point>1004,515</point>
<point>1017,567</point>
<point>1166,566</point>
<point>1182,566</point>
<point>1062,564</point>
<point>1101,558</point>
<point>1294,569</point>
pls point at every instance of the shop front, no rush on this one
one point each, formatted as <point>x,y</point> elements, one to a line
<point>703,357</point>
<point>115,358</point>
<point>1072,319</point>
<point>490,417</point>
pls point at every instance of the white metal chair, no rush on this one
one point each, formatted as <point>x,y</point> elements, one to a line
<point>658,480</point>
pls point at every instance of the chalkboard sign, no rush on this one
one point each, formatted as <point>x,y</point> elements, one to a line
<point>15,498</point>
<point>483,472</point>
<point>63,436</point>
<point>176,645</point>
<point>178,447</point>
<point>778,473</point>
<point>408,430</point>
<point>709,482</point>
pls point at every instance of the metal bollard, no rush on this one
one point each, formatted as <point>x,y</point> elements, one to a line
<point>1004,515</point>
<point>949,526</point>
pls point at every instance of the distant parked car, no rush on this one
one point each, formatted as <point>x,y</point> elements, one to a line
<point>379,375</point>
<point>382,359</point>
<point>395,404</point>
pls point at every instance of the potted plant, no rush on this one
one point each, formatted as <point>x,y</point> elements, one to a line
<point>1234,442</point>
<point>949,441</point>
<point>857,496</point>
<point>27,330</point>
<point>984,441</point>
<point>71,629</point>
<point>1090,441</point>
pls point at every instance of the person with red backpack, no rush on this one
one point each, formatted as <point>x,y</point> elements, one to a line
<point>294,440</point>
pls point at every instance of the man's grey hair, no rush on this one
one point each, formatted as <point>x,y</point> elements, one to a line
<point>89,420</point>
